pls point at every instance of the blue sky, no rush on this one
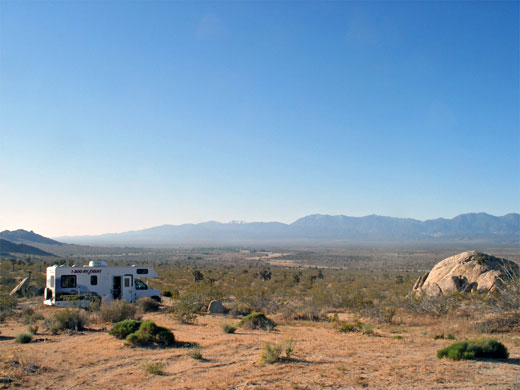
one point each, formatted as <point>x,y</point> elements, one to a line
<point>120,115</point>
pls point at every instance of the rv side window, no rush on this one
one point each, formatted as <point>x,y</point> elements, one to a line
<point>139,285</point>
<point>93,280</point>
<point>68,281</point>
<point>142,271</point>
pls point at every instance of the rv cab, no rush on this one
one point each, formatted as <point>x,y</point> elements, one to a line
<point>78,286</point>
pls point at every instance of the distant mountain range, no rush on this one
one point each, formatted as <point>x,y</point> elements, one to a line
<point>8,248</point>
<point>321,228</point>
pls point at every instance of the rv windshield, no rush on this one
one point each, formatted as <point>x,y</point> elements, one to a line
<point>140,285</point>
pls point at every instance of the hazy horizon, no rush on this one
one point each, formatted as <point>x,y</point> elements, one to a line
<point>117,116</point>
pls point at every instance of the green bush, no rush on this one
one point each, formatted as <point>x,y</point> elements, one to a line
<point>257,321</point>
<point>474,349</point>
<point>149,334</point>
<point>75,319</point>
<point>117,311</point>
<point>24,338</point>
<point>228,328</point>
<point>124,328</point>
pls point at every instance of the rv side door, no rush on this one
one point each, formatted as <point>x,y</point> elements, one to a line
<point>128,288</point>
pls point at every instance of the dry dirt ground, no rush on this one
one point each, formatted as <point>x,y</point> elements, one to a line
<point>323,359</point>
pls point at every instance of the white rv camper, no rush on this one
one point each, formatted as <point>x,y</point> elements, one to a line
<point>73,286</point>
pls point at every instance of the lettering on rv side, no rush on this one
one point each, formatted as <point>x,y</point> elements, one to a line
<point>86,271</point>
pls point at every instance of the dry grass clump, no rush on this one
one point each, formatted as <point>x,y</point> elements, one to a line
<point>228,328</point>
<point>15,367</point>
<point>152,368</point>
<point>116,311</point>
<point>272,352</point>
<point>24,338</point>
<point>355,326</point>
<point>148,305</point>
<point>68,319</point>
<point>196,354</point>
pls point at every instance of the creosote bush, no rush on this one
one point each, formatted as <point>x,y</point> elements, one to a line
<point>150,334</point>
<point>474,349</point>
<point>122,329</point>
<point>24,338</point>
<point>116,311</point>
<point>148,305</point>
<point>257,321</point>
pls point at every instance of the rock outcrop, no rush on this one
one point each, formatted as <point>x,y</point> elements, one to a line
<point>216,307</point>
<point>467,272</point>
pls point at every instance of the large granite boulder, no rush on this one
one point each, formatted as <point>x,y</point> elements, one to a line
<point>466,272</point>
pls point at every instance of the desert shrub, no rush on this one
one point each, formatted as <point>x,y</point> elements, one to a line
<point>152,368</point>
<point>117,311</point>
<point>148,305</point>
<point>257,321</point>
<point>288,346</point>
<point>501,323</point>
<point>30,317</point>
<point>228,328</point>
<point>444,337</point>
<point>7,304</point>
<point>435,306</point>
<point>356,326</point>
<point>33,329</point>
<point>149,334</point>
<point>24,338</point>
<point>474,349</point>
<point>241,309</point>
<point>272,352</point>
<point>345,327</point>
<point>196,354</point>
<point>383,314</point>
<point>72,319</point>
<point>167,294</point>
<point>123,328</point>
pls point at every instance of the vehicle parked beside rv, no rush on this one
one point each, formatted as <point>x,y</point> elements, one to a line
<point>75,285</point>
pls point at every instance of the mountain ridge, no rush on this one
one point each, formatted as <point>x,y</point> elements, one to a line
<point>470,226</point>
<point>7,248</point>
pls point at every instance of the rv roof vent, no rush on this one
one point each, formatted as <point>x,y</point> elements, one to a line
<point>97,264</point>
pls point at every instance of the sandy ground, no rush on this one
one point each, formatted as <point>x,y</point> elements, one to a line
<point>323,359</point>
